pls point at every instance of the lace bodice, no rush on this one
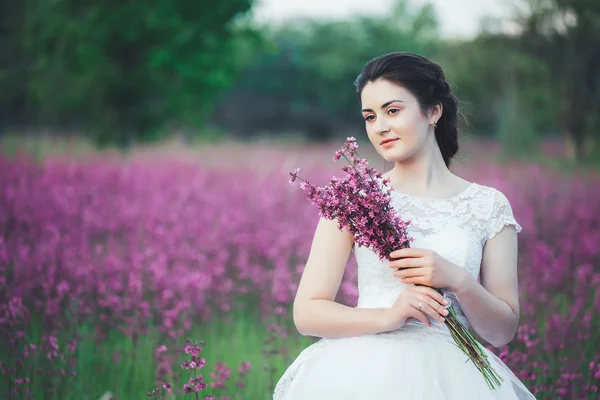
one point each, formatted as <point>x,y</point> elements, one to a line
<point>456,228</point>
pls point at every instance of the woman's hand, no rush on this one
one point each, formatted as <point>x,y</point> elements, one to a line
<point>426,267</point>
<point>407,305</point>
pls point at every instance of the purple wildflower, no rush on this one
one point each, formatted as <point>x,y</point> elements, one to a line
<point>294,175</point>
<point>360,202</point>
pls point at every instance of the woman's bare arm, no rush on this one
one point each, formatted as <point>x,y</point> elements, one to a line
<point>315,311</point>
<point>492,307</point>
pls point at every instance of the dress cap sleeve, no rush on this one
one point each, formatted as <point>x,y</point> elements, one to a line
<point>500,216</point>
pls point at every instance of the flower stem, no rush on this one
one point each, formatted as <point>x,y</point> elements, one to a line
<point>467,343</point>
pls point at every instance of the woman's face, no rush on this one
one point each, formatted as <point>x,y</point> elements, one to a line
<point>393,119</point>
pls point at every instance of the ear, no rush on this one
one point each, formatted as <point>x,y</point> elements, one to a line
<point>435,112</point>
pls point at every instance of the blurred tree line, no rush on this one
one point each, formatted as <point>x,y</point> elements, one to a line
<point>119,71</point>
<point>122,72</point>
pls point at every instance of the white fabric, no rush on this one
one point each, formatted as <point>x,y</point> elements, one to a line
<point>415,362</point>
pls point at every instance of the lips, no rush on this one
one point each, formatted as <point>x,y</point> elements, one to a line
<point>384,141</point>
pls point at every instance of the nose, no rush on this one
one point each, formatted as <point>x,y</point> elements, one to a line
<point>381,126</point>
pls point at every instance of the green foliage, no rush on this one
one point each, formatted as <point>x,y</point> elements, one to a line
<point>127,368</point>
<point>126,71</point>
<point>516,129</point>
<point>356,42</point>
<point>565,36</point>
<point>492,70</point>
<point>304,81</point>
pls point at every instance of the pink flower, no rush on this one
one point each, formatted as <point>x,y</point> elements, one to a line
<point>189,389</point>
<point>72,346</point>
<point>360,202</point>
<point>244,368</point>
<point>160,350</point>
<point>167,386</point>
<point>294,175</point>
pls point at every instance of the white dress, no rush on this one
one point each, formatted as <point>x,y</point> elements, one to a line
<point>416,362</point>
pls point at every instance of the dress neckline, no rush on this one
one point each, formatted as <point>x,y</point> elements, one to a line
<point>425,199</point>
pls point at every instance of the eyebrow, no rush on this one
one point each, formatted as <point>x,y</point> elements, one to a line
<point>383,106</point>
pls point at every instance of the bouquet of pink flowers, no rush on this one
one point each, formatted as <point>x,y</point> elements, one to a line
<point>361,202</point>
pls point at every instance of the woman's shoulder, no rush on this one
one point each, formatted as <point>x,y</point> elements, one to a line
<point>491,200</point>
<point>499,210</point>
<point>489,193</point>
<point>483,189</point>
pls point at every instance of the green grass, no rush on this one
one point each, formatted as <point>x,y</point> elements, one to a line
<point>133,374</point>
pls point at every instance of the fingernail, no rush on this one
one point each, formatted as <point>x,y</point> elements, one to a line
<point>446,302</point>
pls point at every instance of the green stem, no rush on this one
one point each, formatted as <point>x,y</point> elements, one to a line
<point>467,343</point>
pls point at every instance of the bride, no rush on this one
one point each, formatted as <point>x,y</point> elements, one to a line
<point>394,343</point>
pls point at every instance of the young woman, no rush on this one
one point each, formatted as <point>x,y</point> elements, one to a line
<point>394,344</point>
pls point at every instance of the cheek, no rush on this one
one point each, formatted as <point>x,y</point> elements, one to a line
<point>373,136</point>
<point>407,124</point>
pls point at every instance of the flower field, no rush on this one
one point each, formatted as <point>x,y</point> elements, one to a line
<point>108,264</point>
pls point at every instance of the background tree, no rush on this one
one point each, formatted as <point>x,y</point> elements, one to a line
<point>135,71</point>
<point>565,35</point>
<point>302,85</point>
<point>504,91</point>
<point>123,70</point>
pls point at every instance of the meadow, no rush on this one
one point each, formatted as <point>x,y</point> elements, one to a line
<point>108,263</point>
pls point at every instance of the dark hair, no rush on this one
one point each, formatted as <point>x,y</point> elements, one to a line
<point>426,80</point>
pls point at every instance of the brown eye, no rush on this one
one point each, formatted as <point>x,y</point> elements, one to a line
<point>394,109</point>
<point>369,118</point>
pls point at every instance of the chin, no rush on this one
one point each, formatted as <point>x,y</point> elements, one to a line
<point>393,156</point>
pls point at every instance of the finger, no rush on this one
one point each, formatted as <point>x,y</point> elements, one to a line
<point>419,315</point>
<point>413,280</point>
<point>408,252</point>
<point>437,310</point>
<point>433,294</point>
<point>426,308</point>
<point>405,263</point>
<point>408,272</point>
